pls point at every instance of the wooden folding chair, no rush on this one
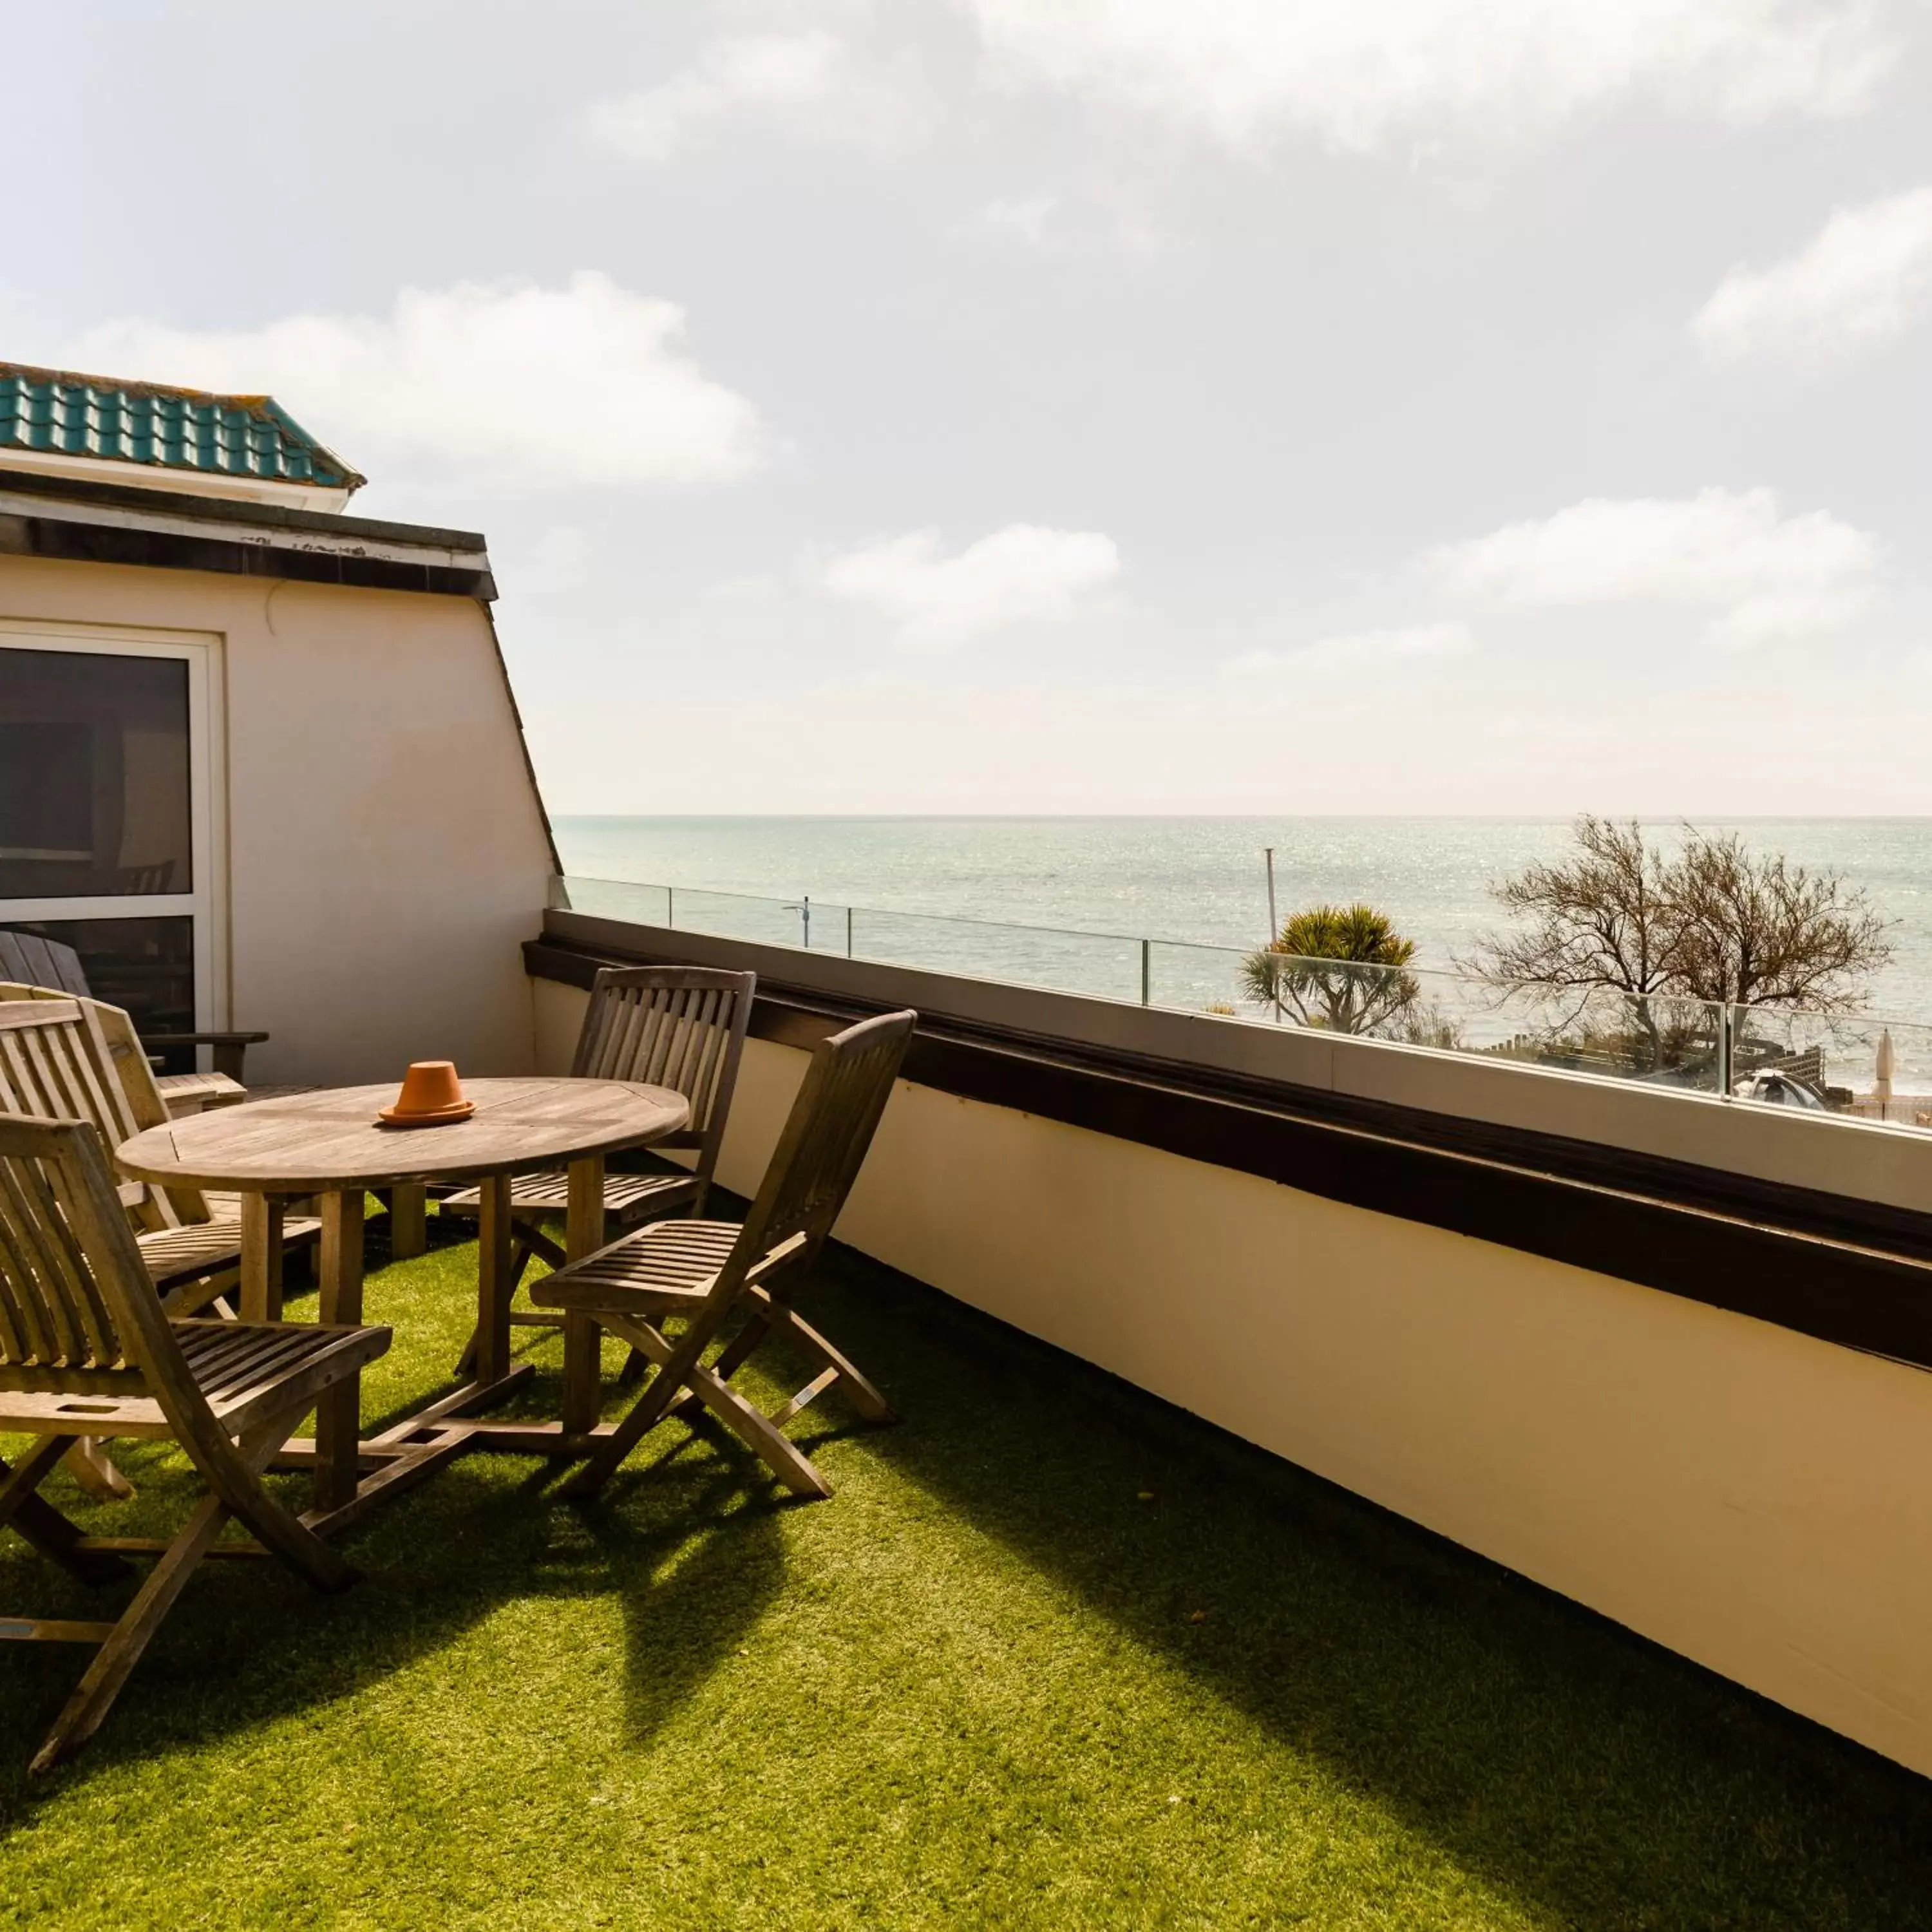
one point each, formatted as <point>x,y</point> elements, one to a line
<point>85,1348</point>
<point>680,1027</point>
<point>76,1058</point>
<point>57,1061</point>
<point>180,1095</point>
<point>35,965</point>
<point>704,1271</point>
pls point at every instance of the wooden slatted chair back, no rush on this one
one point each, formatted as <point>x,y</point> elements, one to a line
<point>825,1139</point>
<point>135,1075</point>
<point>35,961</point>
<point>681,1027</point>
<point>56,1063</point>
<point>67,1264</point>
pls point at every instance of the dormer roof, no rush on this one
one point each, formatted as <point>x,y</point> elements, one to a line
<point>102,429</point>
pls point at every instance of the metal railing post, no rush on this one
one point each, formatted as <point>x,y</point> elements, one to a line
<point>1726,1047</point>
<point>1147,972</point>
<point>848,932</point>
<point>670,908</point>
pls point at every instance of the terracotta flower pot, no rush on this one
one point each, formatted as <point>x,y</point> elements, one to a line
<point>431,1095</point>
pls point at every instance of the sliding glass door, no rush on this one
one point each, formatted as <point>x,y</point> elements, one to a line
<point>106,840</point>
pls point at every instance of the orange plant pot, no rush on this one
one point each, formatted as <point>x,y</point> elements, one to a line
<point>431,1095</point>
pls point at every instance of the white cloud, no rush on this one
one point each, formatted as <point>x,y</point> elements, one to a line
<point>514,388</point>
<point>805,83</point>
<point>1408,73</point>
<point>1760,574</point>
<point>1022,574</point>
<point>1360,648</point>
<point>1864,278</point>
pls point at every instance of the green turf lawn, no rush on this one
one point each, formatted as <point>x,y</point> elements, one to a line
<point>1054,1656</point>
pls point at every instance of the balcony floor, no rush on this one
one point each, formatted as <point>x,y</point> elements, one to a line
<point>990,1682</point>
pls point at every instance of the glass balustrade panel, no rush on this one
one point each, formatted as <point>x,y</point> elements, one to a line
<point>1096,964</point>
<point>1858,1066</point>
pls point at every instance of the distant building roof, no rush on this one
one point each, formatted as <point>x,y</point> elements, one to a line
<point>53,420</point>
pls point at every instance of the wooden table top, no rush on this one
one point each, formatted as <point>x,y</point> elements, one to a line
<point>327,1140</point>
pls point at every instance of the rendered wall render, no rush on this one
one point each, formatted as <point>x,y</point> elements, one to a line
<point>1754,1499</point>
<point>385,849</point>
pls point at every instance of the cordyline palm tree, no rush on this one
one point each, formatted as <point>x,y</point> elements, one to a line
<point>1338,967</point>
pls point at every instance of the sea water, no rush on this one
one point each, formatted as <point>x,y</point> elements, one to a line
<point>1203,881</point>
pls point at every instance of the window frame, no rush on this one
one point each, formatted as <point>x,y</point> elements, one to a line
<point>207,904</point>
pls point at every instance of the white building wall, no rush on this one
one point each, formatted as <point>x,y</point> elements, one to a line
<point>381,846</point>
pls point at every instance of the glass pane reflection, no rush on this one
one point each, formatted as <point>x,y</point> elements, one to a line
<point>93,774</point>
<point>146,965</point>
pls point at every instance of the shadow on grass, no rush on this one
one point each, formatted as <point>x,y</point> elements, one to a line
<point>695,1555</point>
<point>1595,1776</point>
<point>1601,1781</point>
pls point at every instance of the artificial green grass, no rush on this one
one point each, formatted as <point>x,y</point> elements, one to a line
<point>1055,1655</point>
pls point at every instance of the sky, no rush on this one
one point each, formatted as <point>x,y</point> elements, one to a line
<point>1082,406</point>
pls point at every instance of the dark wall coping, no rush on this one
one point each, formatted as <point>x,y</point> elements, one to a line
<point>1852,1272</point>
<point>173,503</point>
<point>73,522</point>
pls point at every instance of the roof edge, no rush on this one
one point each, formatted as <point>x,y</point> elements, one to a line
<point>176,504</point>
<point>353,478</point>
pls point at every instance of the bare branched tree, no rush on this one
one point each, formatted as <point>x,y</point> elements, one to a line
<point>1604,918</point>
<point>1712,922</point>
<point>1764,932</point>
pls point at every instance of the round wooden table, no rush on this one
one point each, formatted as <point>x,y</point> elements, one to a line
<point>327,1143</point>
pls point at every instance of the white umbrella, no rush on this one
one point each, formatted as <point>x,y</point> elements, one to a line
<point>1882,1091</point>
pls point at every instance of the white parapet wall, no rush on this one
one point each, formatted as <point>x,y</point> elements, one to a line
<point>1751,1498</point>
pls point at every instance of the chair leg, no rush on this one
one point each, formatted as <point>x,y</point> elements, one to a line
<point>738,1350</point>
<point>646,1412</point>
<point>236,1491</point>
<point>759,1433</point>
<point>858,1387</point>
<point>762,1435</point>
<point>88,1464</point>
<point>771,1313</point>
<point>236,1480</point>
<point>52,1534</point>
<point>95,1693</point>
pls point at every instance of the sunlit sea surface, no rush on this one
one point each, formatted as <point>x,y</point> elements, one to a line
<point>1202,880</point>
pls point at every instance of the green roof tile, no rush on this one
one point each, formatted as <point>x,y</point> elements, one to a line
<point>58,412</point>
